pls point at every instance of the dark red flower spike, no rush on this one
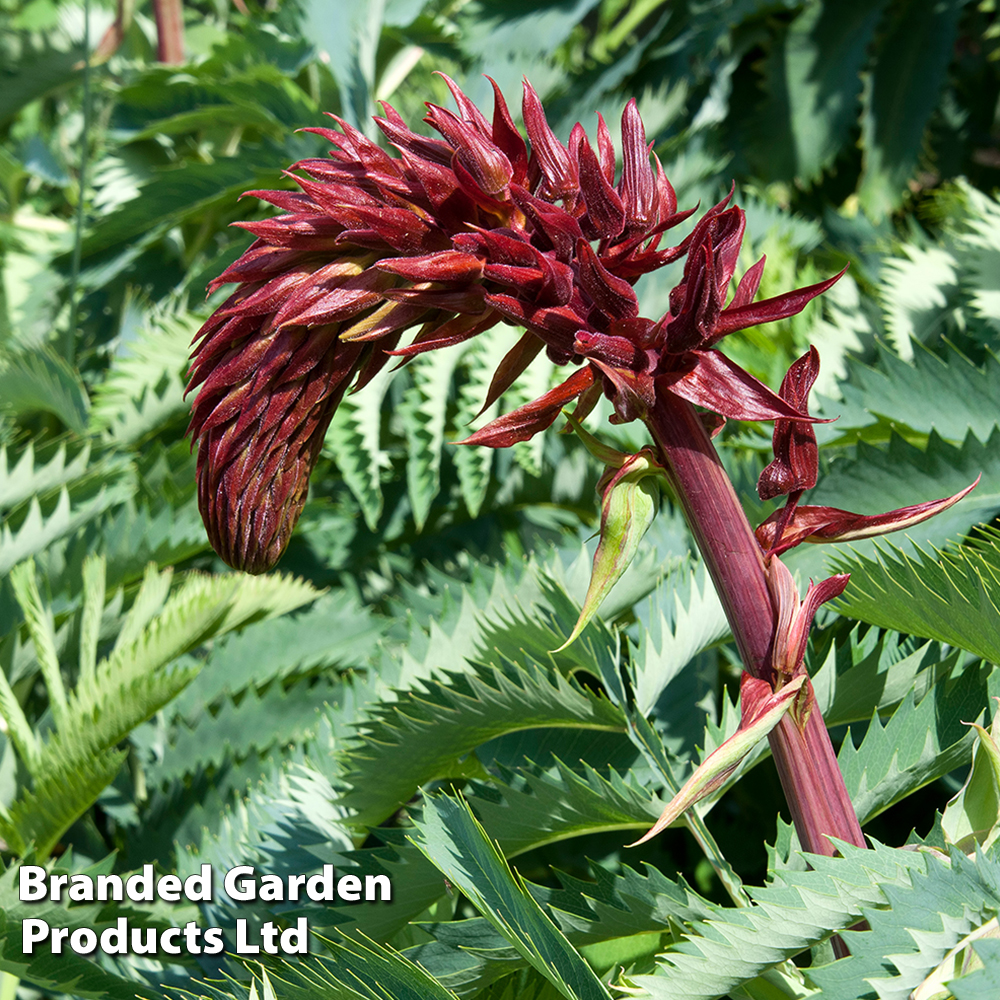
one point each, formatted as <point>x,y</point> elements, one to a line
<point>448,237</point>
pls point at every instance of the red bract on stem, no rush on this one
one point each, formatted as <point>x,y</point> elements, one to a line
<point>451,236</point>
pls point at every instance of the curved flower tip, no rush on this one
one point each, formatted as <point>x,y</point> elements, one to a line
<point>795,616</point>
<point>796,456</point>
<point>830,524</point>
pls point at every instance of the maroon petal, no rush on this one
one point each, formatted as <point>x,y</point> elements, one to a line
<point>259,263</point>
<point>704,226</point>
<point>558,284</point>
<point>632,393</point>
<point>526,280</point>
<point>615,352</point>
<point>553,157</point>
<point>451,206</point>
<point>794,617</point>
<point>796,457</point>
<point>447,265</point>
<point>453,331</point>
<point>633,265</point>
<point>613,296</point>
<point>270,296</point>
<point>468,109</point>
<point>498,246</point>
<point>556,326</point>
<point>696,318</point>
<point>817,594</point>
<point>638,185</point>
<point>338,200</point>
<point>589,398</point>
<point>358,146</point>
<point>507,137</point>
<point>605,149</point>
<point>511,308</point>
<point>710,379</point>
<point>560,323</point>
<point>401,229</point>
<point>476,151</point>
<point>779,307</point>
<point>749,283</point>
<point>514,362</point>
<point>665,194</point>
<point>468,183</point>
<point>830,524</point>
<point>577,136</point>
<point>395,130</point>
<point>604,205</point>
<point>376,360</point>
<point>288,201</point>
<point>729,228</point>
<point>388,318</point>
<point>526,421</point>
<point>552,223</point>
<point>463,300</point>
<point>330,298</point>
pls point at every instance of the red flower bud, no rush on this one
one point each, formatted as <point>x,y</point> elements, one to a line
<point>796,457</point>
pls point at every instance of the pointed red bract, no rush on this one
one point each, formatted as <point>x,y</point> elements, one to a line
<point>796,457</point>
<point>514,362</point>
<point>830,524</point>
<point>526,421</point>
<point>560,173</point>
<point>638,185</point>
<point>507,137</point>
<point>710,379</point>
<point>446,265</point>
<point>605,210</point>
<point>770,310</point>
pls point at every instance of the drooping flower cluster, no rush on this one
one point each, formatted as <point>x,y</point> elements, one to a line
<point>450,237</point>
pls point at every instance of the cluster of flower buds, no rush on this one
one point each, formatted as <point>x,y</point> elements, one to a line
<point>450,237</point>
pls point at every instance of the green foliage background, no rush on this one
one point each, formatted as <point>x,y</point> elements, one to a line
<point>388,701</point>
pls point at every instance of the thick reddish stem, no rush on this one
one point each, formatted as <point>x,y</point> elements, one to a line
<point>807,765</point>
<point>169,31</point>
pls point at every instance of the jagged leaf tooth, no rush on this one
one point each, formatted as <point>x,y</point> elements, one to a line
<point>961,962</point>
<point>973,816</point>
<point>762,710</point>
<point>628,506</point>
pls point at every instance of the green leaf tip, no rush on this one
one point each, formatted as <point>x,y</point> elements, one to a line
<point>454,841</point>
<point>972,817</point>
<point>629,505</point>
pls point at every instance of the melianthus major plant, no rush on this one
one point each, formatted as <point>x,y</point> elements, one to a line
<point>457,234</point>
